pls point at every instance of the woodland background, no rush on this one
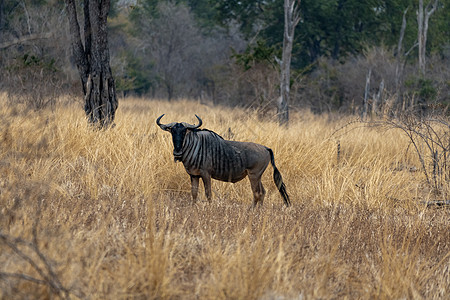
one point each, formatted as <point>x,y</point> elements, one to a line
<point>224,52</point>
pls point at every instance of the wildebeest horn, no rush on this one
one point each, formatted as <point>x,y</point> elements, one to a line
<point>164,126</point>
<point>189,126</point>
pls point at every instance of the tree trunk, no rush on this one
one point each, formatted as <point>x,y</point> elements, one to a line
<point>398,67</point>
<point>92,60</point>
<point>398,102</point>
<point>169,89</point>
<point>366,96</point>
<point>378,99</point>
<point>423,16</point>
<point>291,19</point>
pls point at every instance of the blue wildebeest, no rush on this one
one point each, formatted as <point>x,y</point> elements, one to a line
<point>206,154</point>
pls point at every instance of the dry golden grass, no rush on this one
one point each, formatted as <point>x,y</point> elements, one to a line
<point>114,218</point>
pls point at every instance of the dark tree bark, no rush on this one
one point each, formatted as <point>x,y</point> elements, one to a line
<point>92,60</point>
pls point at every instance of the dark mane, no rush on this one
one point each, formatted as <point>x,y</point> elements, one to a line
<point>210,131</point>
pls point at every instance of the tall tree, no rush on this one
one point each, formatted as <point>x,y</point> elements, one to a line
<point>423,16</point>
<point>291,19</point>
<point>399,65</point>
<point>92,60</point>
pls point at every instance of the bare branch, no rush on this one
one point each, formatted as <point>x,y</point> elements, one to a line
<point>27,15</point>
<point>23,277</point>
<point>412,48</point>
<point>13,246</point>
<point>26,39</point>
<point>277,60</point>
<point>402,33</point>
<point>429,11</point>
<point>296,14</point>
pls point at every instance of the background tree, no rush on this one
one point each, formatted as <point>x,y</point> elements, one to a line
<point>92,60</point>
<point>291,19</point>
<point>423,17</point>
<point>227,51</point>
<point>184,58</point>
<point>170,39</point>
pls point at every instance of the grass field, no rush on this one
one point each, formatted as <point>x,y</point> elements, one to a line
<point>108,215</point>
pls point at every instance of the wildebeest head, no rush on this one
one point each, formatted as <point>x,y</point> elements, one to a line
<point>178,131</point>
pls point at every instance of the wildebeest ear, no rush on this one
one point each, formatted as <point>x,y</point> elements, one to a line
<point>166,127</point>
<point>192,127</point>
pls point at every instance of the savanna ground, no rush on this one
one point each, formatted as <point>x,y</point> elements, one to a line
<point>108,215</point>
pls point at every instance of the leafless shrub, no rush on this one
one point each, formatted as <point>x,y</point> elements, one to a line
<point>261,82</point>
<point>186,61</point>
<point>429,137</point>
<point>439,72</point>
<point>30,253</point>
<point>340,86</point>
<point>35,56</point>
<point>33,81</point>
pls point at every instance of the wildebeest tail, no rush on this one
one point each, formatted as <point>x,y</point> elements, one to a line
<point>279,180</point>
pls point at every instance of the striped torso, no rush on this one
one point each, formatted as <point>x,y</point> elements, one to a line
<point>206,151</point>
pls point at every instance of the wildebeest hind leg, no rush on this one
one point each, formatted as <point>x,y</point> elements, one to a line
<point>194,187</point>
<point>207,183</point>
<point>258,190</point>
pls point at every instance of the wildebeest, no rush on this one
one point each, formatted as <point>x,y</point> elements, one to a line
<point>206,154</point>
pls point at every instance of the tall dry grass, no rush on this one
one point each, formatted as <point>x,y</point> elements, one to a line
<point>108,215</point>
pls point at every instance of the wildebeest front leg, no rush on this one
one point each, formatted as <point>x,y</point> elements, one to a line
<point>258,190</point>
<point>207,183</point>
<point>194,186</point>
